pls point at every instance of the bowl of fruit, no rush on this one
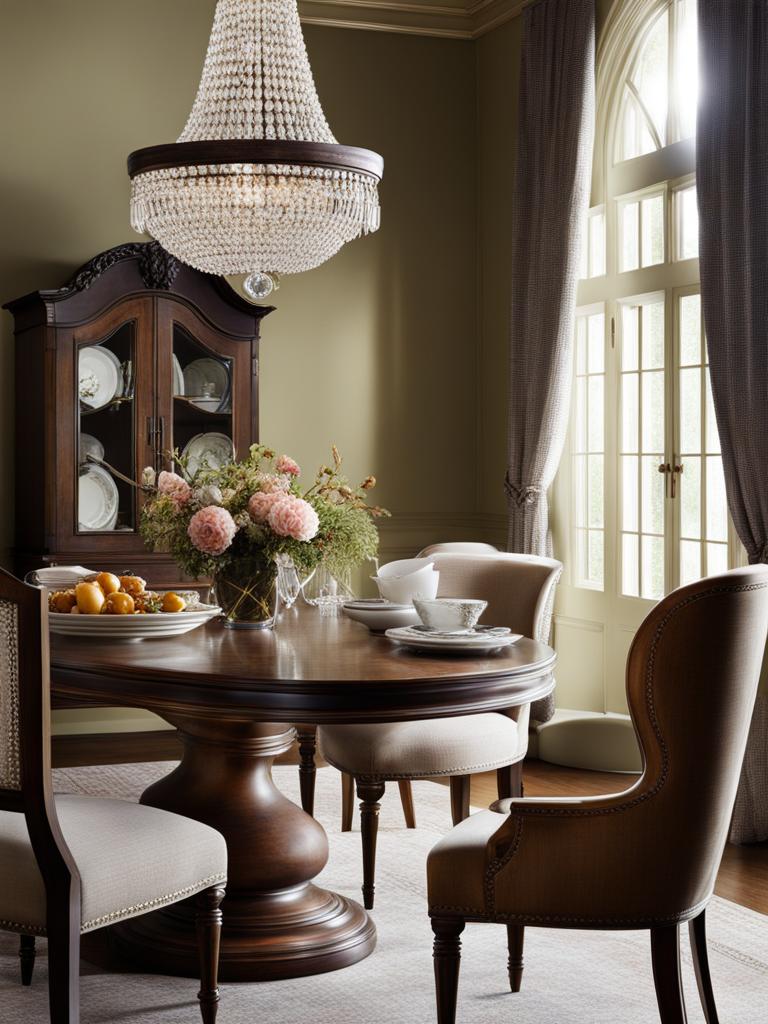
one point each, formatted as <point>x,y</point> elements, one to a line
<point>121,608</point>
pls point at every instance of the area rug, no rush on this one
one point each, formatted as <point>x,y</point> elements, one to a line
<point>570,977</point>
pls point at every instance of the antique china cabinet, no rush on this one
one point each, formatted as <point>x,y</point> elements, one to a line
<point>137,356</point>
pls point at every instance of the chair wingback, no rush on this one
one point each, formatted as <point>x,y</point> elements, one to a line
<point>517,588</point>
<point>10,744</point>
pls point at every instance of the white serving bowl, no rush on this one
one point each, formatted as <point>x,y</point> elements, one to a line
<point>449,612</point>
<point>379,618</point>
<point>403,589</point>
<point>404,567</point>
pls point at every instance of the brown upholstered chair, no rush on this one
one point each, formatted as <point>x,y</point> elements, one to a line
<point>517,588</point>
<point>646,858</point>
<point>72,864</point>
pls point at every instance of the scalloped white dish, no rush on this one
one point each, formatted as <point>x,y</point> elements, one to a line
<point>132,627</point>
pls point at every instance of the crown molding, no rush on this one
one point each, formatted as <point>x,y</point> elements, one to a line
<point>462,19</point>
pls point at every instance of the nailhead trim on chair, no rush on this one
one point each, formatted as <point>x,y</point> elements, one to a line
<point>459,770</point>
<point>499,862</point>
<point>140,908</point>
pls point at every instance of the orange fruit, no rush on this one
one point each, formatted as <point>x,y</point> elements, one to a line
<point>90,598</point>
<point>120,604</point>
<point>108,582</point>
<point>173,603</point>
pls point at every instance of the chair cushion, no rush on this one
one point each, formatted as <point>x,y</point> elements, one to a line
<point>131,859</point>
<point>444,746</point>
<point>456,864</point>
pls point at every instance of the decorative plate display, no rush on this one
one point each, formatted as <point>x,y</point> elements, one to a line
<point>214,449</point>
<point>207,371</point>
<point>91,447</point>
<point>178,377</point>
<point>97,499</point>
<point>100,376</point>
<point>132,627</point>
<point>483,640</point>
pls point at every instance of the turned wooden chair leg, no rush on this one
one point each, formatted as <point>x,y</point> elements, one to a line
<point>208,927</point>
<point>459,797</point>
<point>515,940</point>
<point>446,953</point>
<point>27,958</point>
<point>698,932</point>
<point>665,954</point>
<point>369,794</point>
<point>509,781</point>
<point>307,738</point>
<point>406,799</point>
<point>347,801</point>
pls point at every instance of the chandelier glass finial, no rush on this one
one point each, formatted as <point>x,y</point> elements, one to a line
<point>256,183</point>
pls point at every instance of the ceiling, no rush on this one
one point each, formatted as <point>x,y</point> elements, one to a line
<point>453,19</point>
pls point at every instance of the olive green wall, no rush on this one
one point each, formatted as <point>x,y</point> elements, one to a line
<point>375,350</point>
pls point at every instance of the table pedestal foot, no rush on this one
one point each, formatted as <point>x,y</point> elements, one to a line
<point>277,924</point>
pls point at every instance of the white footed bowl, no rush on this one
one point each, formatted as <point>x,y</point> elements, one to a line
<point>403,590</point>
<point>378,620</point>
<point>404,567</point>
<point>449,612</point>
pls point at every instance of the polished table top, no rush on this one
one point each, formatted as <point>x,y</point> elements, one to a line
<point>310,667</point>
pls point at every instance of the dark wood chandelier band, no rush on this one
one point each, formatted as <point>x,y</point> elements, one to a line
<point>255,151</point>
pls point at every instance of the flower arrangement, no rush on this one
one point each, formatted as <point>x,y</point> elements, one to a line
<point>219,520</point>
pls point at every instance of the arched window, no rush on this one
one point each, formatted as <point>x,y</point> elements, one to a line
<point>640,503</point>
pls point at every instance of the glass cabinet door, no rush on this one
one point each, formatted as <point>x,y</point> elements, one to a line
<point>105,499</point>
<point>202,403</point>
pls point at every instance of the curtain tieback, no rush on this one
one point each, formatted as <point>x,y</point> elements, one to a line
<point>522,494</point>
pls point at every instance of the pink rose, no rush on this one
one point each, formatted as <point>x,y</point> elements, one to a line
<point>212,530</point>
<point>293,517</point>
<point>174,486</point>
<point>260,504</point>
<point>271,483</point>
<point>285,464</point>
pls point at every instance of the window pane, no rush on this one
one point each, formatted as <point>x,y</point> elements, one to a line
<point>690,561</point>
<point>690,330</point>
<point>629,412</point>
<point>717,558</point>
<point>580,416</point>
<point>653,411</point>
<point>629,337</point>
<point>595,484</point>
<point>629,492</point>
<point>653,567</point>
<point>652,497</point>
<point>580,490</point>
<point>595,416</point>
<point>717,507</point>
<point>630,236</point>
<point>690,498</point>
<point>596,343</point>
<point>690,410</point>
<point>584,250</point>
<point>688,224</point>
<point>630,565</point>
<point>595,565</point>
<point>597,244</point>
<point>687,67</point>
<point>713,437</point>
<point>651,75</point>
<point>653,231</point>
<point>581,345</point>
<point>653,335</point>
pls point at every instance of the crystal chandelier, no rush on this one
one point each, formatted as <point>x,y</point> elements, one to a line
<point>256,183</point>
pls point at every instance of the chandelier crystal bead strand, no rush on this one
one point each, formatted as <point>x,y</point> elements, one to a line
<point>256,183</point>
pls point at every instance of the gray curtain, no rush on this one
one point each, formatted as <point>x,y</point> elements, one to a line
<point>551,194</point>
<point>732,180</point>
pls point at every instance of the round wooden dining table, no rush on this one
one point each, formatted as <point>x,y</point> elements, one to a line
<point>232,695</point>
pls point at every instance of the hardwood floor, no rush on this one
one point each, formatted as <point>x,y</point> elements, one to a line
<point>743,875</point>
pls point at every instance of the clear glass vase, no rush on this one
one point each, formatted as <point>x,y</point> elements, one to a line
<point>327,591</point>
<point>247,592</point>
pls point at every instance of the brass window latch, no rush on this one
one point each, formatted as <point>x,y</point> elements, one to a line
<point>671,473</point>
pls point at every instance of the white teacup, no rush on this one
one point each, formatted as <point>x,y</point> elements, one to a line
<point>449,612</point>
<point>403,589</point>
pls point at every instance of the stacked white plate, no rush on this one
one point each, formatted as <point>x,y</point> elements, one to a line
<point>100,376</point>
<point>97,498</point>
<point>132,627</point>
<point>379,615</point>
<point>58,577</point>
<point>481,640</point>
<point>212,451</point>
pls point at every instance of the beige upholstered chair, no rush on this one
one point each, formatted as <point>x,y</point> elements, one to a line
<point>644,858</point>
<point>517,589</point>
<point>72,864</point>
